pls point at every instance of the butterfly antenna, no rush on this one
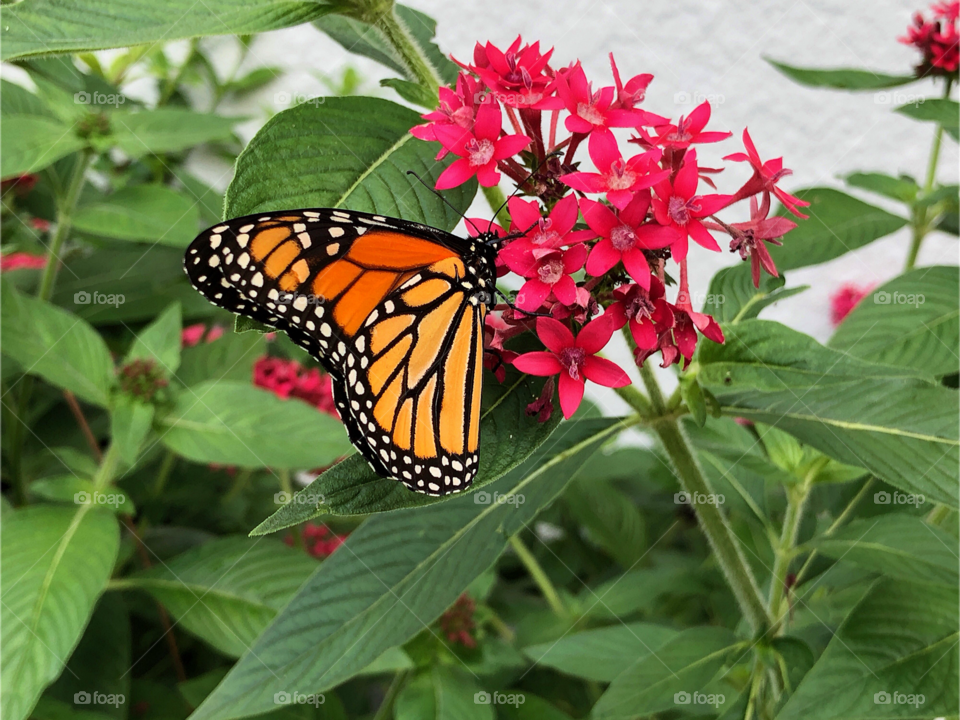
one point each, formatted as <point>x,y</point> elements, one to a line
<point>520,185</point>
<point>447,202</point>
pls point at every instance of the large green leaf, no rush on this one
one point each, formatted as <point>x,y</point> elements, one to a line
<point>507,437</point>
<point>903,188</point>
<point>361,38</point>
<point>444,692</point>
<point>886,419</point>
<point>231,357</point>
<point>842,78</point>
<point>234,423</point>
<point>130,421</point>
<point>59,347</point>
<point>900,546</point>
<point>900,640</point>
<point>228,590</point>
<point>56,562</point>
<point>601,654</point>
<point>393,576</point>
<point>673,677</point>
<point>942,111</point>
<point>837,224</point>
<point>167,130</point>
<point>610,517</point>
<point>732,296</point>
<point>30,143</point>
<point>160,341</point>
<point>17,100</point>
<point>351,152</point>
<point>42,27</point>
<point>147,213</point>
<point>912,320</point>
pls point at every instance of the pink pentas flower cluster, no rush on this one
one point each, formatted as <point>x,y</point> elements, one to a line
<point>937,39</point>
<point>288,378</point>
<point>607,194</point>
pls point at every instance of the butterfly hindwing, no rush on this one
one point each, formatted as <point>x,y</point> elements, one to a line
<point>389,308</point>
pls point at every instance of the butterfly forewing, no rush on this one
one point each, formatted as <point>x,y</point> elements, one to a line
<point>389,308</point>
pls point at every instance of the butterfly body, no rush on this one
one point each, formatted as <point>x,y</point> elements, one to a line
<point>393,310</point>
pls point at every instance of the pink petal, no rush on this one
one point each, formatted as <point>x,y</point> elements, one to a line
<point>653,236</point>
<point>754,156</point>
<point>554,334</point>
<point>636,264</point>
<point>596,334</point>
<point>523,213</point>
<point>571,394</point>
<point>538,363</point>
<point>737,157</point>
<point>532,295</point>
<point>489,120</point>
<point>574,258</point>
<point>604,372</point>
<point>685,184</point>
<point>679,248</point>
<point>584,181</point>
<point>577,124</point>
<point>644,334</point>
<point>488,175</point>
<point>709,204</point>
<point>699,118</point>
<point>598,216</point>
<point>453,137</point>
<point>619,198</point>
<point>702,236</point>
<point>603,257</point>
<point>564,215</point>
<point>603,150</point>
<point>565,290</point>
<point>510,145</point>
<point>457,174</point>
<point>634,213</point>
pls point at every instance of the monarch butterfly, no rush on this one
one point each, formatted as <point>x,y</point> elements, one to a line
<point>392,309</point>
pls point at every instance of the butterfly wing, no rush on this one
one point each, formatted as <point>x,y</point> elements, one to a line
<point>390,310</point>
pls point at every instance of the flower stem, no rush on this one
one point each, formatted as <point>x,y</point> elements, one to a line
<point>386,707</point>
<point>538,575</point>
<point>714,525</point>
<point>410,52</point>
<point>919,214</point>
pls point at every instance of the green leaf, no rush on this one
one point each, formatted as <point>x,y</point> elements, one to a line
<point>59,347</point>
<point>412,92</point>
<point>77,490</point>
<point>364,39</point>
<point>444,692</point>
<point>942,111</point>
<point>692,394</point>
<point>56,562</point>
<point>900,638</point>
<point>147,213</point>
<point>395,574</point>
<point>234,423</point>
<point>886,419</point>
<point>130,422</point>
<point>660,681</point>
<point>732,296</point>
<point>101,660</point>
<point>30,143</point>
<point>253,80</point>
<point>167,130</point>
<point>351,152</point>
<point>160,341</point>
<point>636,591</point>
<point>899,546</point>
<point>838,223</point>
<point>208,200</point>
<point>842,78</point>
<point>351,487</point>
<point>610,517</point>
<point>44,27</point>
<point>242,324</point>
<point>230,357</point>
<point>903,188</point>
<point>601,654</point>
<point>227,591</point>
<point>911,321</point>
<point>17,100</point>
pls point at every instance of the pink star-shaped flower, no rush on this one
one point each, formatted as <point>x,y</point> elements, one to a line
<point>766,175</point>
<point>547,271</point>
<point>591,110</point>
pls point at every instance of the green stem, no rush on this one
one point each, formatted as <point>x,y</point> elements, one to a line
<point>919,214</point>
<point>410,52</point>
<point>653,388</point>
<point>65,207</point>
<point>386,707</point>
<point>635,399</point>
<point>496,199</point>
<point>538,575</point>
<point>171,84</point>
<point>163,474</point>
<point>108,468</point>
